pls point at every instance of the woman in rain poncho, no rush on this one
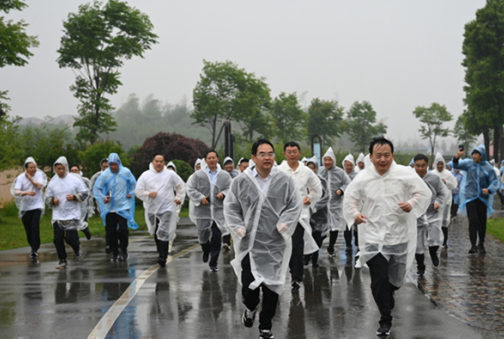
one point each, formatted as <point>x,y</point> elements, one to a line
<point>207,189</point>
<point>115,193</point>
<point>155,188</point>
<point>27,191</point>
<point>384,201</point>
<point>337,181</point>
<point>318,219</point>
<point>67,195</point>
<point>439,168</point>
<point>262,210</point>
<point>477,188</point>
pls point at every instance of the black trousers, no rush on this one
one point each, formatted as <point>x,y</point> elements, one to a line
<point>227,239</point>
<point>31,223</point>
<point>477,215</point>
<point>382,289</point>
<point>296,260</point>
<point>317,236</point>
<point>213,245</point>
<point>333,236</point>
<point>161,246</point>
<point>61,236</point>
<point>347,234</point>
<point>251,297</point>
<point>454,209</point>
<point>117,232</point>
<point>501,196</point>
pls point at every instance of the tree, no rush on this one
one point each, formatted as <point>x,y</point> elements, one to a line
<point>325,118</point>
<point>225,92</point>
<point>360,119</point>
<point>483,49</point>
<point>10,153</point>
<point>96,42</point>
<point>288,117</point>
<point>90,157</point>
<point>433,118</point>
<point>15,43</point>
<point>463,135</point>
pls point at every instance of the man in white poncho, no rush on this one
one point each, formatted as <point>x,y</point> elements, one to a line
<point>155,188</point>
<point>262,210</point>
<point>67,195</point>
<point>337,180</point>
<point>349,167</point>
<point>310,189</point>
<point>243,164</point>
<point>429,224</point>
<point>75,169</point>
<point>207,189</point>
<point>439,168</point>
<point>27,191</point>
<point>384,201</point>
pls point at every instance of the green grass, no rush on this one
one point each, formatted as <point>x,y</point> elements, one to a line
<point>13,234</point>
<point>495,227</point>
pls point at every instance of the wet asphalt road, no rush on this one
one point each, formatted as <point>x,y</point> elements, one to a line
<point>96,298</point>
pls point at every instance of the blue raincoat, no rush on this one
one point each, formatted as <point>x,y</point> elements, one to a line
<point>116,185</point>
<point>478,176</point>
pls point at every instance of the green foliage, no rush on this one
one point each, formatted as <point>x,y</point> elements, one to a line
<point>464,137</point>
<point>432,119</point>
<point>225,92</point>
<point>325,118</point>
<point>90,157</point>
<point>288,117</point>
<point>9,143</point>
<point>184,170</point>
<point>360,119</point>
<point>496,228</point>
<point>96,42</point>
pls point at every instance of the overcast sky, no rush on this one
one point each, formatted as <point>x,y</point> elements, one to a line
<point>395,54</point>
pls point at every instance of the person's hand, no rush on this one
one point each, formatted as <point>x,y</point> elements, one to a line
<point>70,197</point>
<point>152,194</point>
<point>128,196</point>
<point>444,181</point>
<point>459,154</point>
<point>220,196</point>
<point>30,193</point>
<point>107,200</point>
<point>282,227</point>
<point>56,202</point>
<point>307,201</point>
<point>28,176</point>
<point>405,206</point>
<point>436,206</point>
<point>241,232</point>
<point>177,201</point>
<point>485,191</point>
<point>359,219</point>
<point>204,201</point>
<point>339,192</point>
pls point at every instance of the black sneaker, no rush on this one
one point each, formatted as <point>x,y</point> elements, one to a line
<point>481,248</point>
<point>205,257</point>
<point>34,255</point>
<point>295,285</point>
<point>265,334</point>
<point>114,257</point>
<point>435,259</point>
<point>248,317</point>
<point>161,262</point>
<point>214,269</point>
<point>473,250</point>
<point>383,330</point>
<point>87,233</point>
<point>420,271</point>
<point>331,252</point>
<point>124,256</point>
<point>62,264</point>
<point>107,250</point>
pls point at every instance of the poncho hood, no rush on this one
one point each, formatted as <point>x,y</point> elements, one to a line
<point>330,153</point>
<point>481,150</point>
<point>350,158</point>
<point>360,158</point>
<point>172,165</point>
<point>30,160</point>
<point>63,161</point>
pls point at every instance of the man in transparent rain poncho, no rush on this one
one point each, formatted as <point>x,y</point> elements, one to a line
<point>385,200</point>
<point>75,169</point>
<point>27,190</point>
<point>114,192</point>
<point>67,195</point>
<point>155,188</point>
<point>477,189</point>
<point>439,168</point>
<point>337,180</point>
<point>429,224</point>
<point>310,189</point>
<point>349,167</point>
<point>207,189</point>
<point>262,210</point>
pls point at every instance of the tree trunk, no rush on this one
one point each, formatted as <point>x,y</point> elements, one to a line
<point>486,138</point>
<point>501,143</point>
<point>496,144</point>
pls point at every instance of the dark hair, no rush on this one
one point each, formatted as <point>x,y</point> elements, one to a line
<point>420,156</point>
<point>26,165</point>
<point>156,154</point>
<point>75,166</point>
<point>292,144</point>
<point>260,142</point>
<point>211,151</point>
<point>103,160</point>
<point>247,160</point>
<point>380,140</point>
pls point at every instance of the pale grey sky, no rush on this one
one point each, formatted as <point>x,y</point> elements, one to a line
<point>395,54</point>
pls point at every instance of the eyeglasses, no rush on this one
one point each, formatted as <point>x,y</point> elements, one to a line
<point>263,155</point>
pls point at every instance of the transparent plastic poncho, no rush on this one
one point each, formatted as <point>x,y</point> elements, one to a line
<point>432,219</point>
<point>116,185</point>
<point>20,184</point>
<point>476,177</point>
<point>163,206</point>
<point>269,218</point>
<point>388,229</point>
<point>451,184</point>
<point>360,158</point>
<point>337,180</point>
<point>318,218</point>
<point>199,185</point>
<point>69,215</point>
<point>350,158</point>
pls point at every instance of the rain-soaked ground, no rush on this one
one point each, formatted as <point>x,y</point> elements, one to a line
<point>97,298</point>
